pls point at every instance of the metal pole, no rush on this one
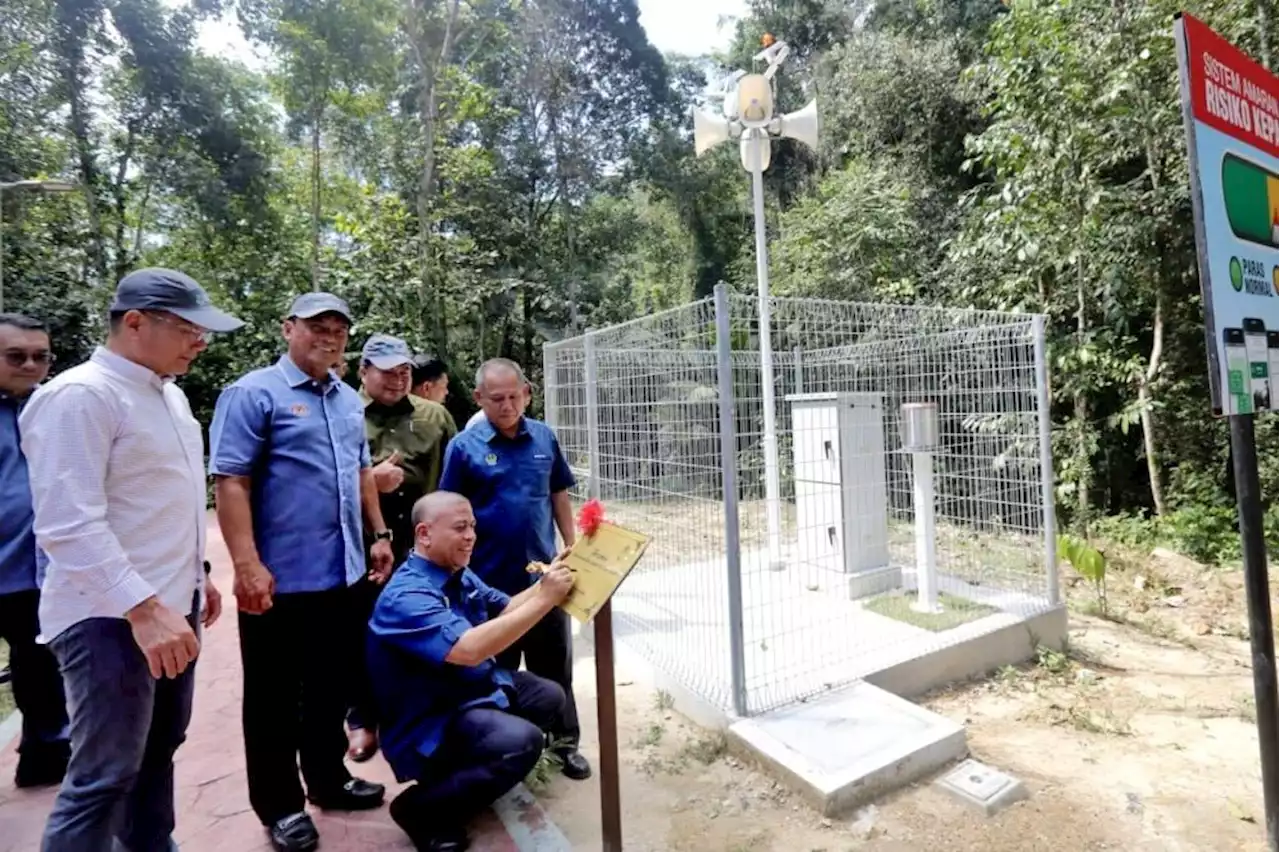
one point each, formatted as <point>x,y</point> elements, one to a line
<point>548,386</point>
<point>772,489</point>
<point>798,366</point>
<point>926,534</point>
<point>729,472</point>
<point>1244,459</point>
<point>606,700</point>
<point>1049,515</point>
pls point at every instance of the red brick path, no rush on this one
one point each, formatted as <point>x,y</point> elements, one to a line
<point>212,799</point>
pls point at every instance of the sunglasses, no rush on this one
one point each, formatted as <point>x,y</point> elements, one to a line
<point>17,358</point>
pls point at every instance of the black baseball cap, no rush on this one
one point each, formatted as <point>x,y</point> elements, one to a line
<point>156,289</point>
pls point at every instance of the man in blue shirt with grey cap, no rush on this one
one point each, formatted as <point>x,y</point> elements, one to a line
<point>116,464</point>
<point>292,471</point>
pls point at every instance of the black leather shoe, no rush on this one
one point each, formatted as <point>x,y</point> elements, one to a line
<point>42,766</point>
<point>575,766</point>
<point>426,838</point>
<point>355,795</point>
<point>294,833</point>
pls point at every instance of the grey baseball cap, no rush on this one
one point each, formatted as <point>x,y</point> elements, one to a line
<point>310,305</point>
<point>386,352</point>
<point>156,289</point>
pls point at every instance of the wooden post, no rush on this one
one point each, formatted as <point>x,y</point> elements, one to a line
<point>607,715</point>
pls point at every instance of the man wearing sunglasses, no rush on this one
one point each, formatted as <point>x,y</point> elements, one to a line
<point>117,481</point>
<point>37,686</point>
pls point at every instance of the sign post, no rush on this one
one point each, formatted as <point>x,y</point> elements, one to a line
<point>1229,108</point>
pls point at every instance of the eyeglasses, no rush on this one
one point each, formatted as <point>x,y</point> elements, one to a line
<point>190,331</point>
<point>17,358</point>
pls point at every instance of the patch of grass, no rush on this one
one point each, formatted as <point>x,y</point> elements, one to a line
<point>652,735</point>
<point>548,766</point>
<point>707,749</point>
<point>955,611</point>
<point>662,700</point>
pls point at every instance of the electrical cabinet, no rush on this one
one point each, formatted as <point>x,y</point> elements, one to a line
<point>842,511</point>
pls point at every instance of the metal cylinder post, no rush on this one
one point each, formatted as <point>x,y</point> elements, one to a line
<point>772,486</point>
<point>549,406</point>
<point>926,534</point>
<point>606,700</point>
<point>729,474</point>
<point>797,364</point>
<point>1048,513</point>
<point>920,438</point>
<point>1257,587</point>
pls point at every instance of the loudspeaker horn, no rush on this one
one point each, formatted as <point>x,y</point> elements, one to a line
<point>709,130</point>
<point>802,125</point>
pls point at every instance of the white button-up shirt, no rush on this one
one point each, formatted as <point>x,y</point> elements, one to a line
<point>116,461</point>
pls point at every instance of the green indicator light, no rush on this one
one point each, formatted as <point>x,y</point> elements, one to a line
<point>1252,198</point>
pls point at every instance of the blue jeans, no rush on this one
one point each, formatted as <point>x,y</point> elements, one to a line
<point>125,727</point>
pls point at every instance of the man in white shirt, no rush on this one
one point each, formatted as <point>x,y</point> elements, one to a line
<point>116,464</point>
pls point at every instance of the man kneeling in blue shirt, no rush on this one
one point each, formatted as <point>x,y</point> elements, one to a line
<point>464,729</point>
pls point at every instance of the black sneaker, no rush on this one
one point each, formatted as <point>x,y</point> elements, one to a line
<point>355,795</point>
<point>294,833</point>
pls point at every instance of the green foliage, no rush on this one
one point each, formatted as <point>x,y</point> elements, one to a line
<point>1088,562</point>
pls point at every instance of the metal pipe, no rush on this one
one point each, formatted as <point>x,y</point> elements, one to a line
<point>729,472</point>
<point>1257,586</point>
<point>772,487</point>
<point>1049,515</point>
<point>602,624</point>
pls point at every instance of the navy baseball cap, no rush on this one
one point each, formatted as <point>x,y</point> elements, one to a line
<point>386,352</point>
<point>310,305</point>
<point>156,289</point>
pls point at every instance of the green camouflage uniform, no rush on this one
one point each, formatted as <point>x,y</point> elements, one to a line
<point>420,430</point>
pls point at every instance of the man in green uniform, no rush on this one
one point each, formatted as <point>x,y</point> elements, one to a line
<point>407,438</point>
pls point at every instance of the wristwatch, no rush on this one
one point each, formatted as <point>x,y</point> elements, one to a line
<point>382,535</point>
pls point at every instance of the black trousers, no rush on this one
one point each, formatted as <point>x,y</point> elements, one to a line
<point>361,708</point>
<point>37,683</point>
<point>547,650</point>
<point>295,656</point>
<point>484,753</point>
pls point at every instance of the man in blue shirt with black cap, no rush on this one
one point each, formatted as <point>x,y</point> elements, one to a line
<point>37,687</point>
<point>292,475</point>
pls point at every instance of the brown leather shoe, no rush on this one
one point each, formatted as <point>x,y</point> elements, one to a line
<point>362,744</point>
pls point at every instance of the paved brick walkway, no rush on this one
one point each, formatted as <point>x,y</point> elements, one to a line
<point>212,799</point>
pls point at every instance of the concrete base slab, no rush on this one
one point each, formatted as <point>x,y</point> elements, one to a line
<point>983,787</point>
<point>849,746</point>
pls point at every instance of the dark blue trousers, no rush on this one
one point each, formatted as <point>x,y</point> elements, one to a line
<point>37,685</point>
<point>484,753</point>
<point>125,727</point>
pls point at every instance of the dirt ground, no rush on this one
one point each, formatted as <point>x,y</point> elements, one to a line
<point>1139,737</point>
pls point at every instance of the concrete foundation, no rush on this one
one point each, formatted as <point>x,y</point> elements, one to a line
<point>851,746</point>
<point>980,786</point>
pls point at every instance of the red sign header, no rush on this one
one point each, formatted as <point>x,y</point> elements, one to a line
<point>1229,91</point>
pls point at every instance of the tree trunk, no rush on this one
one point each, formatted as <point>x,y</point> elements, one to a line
<point>1144,401</point>
<point>429,66</point>
<point>315,197</point>
<point>72,50</point>
<point>1081,411</point>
